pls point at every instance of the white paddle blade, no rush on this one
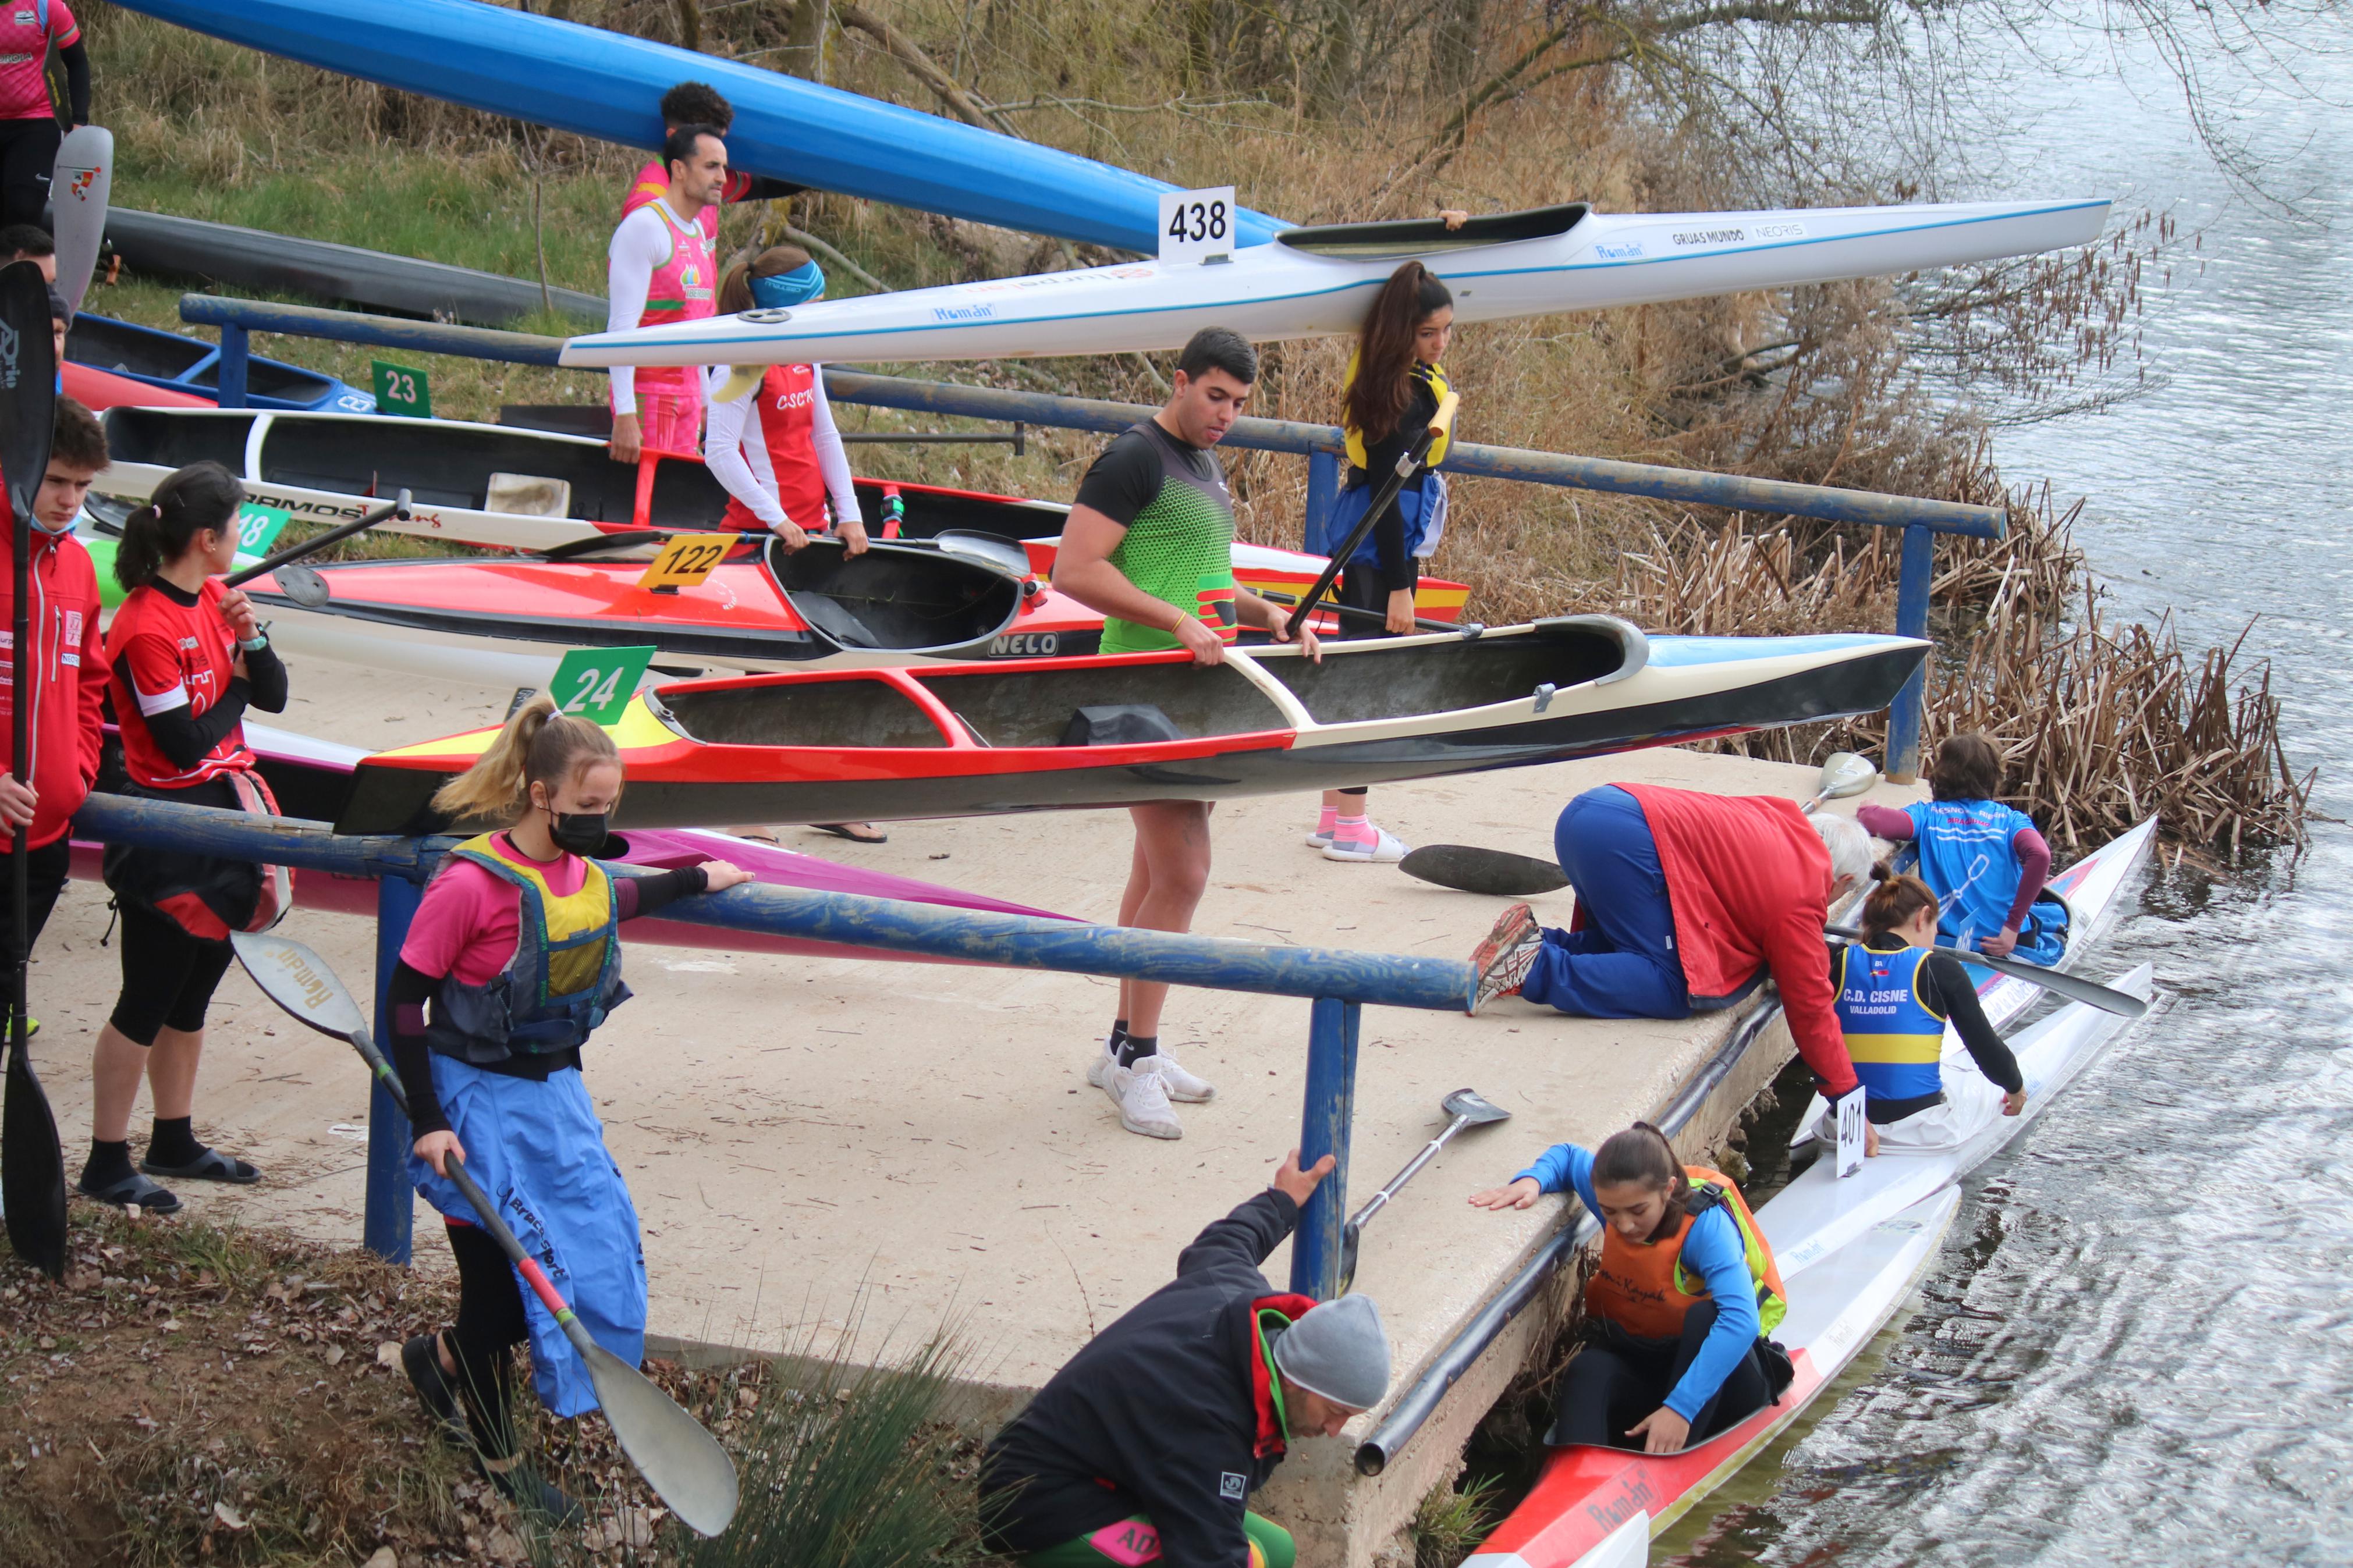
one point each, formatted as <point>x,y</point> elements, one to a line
<point>684,1464</point>
<point>79,188</point>
<point>300,980</point>
<point>1845,775</point>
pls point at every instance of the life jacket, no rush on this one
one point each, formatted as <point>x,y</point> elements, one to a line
<point>683,289</point>
<point>780,444</point>
<point>1435,375</point>
<point>564,976</point>
<point>1644,1287</point>
<point>1896,1040</point>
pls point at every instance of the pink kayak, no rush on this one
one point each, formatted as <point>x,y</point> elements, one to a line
<point>310,777</point>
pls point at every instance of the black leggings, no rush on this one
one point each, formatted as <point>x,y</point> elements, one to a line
<point>168,977</point>
<point>1610,1386</point>
<point>490,1324</point>
<point>28,153</point>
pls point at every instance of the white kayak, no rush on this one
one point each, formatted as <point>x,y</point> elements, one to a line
<point>2089,888</point>
<point>1316,282</point>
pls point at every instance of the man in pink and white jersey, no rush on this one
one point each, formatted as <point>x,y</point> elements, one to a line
<point>661,268</point>
<point>30,132</point>
<point>699,104</point>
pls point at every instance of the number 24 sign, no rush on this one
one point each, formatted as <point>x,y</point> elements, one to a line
<point>1197,226</point>
<point>596,683</point>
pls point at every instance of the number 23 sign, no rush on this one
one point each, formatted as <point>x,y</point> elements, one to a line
<point>1197,226</point>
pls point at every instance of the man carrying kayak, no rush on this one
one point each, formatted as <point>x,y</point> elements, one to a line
<point>1685,902</point>
<point>1146,1446</point>
<point>660,268</point>
<point>699,104</point>
<point>1149,546</point>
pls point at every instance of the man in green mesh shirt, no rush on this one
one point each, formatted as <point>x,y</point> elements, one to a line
<point>1149,544</point>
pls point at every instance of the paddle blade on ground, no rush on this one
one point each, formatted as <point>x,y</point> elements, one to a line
<point>682,1462</point>
<point>32,1170</point>
<point>1475,1109</point>
<point>1498,873</point>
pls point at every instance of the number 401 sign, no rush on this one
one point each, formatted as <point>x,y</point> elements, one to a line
<point>1197,226</point>
<point>596,683</point>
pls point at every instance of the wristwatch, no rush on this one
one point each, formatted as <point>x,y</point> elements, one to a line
<point>254,644</point>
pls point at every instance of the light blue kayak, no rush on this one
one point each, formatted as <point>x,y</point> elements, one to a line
<point>608,85</point>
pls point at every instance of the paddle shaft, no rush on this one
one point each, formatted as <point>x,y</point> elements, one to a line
<point>1407,464</point>
<point>2075,987</point>
<point>1466,629</point>
<point>1380,1200</point>
<point>335,535</point>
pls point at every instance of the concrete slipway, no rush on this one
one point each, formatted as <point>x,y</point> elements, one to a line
<point>814,1140</point>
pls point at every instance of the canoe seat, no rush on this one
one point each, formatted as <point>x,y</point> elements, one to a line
<point>1119,725</point>
<point>529,495</point>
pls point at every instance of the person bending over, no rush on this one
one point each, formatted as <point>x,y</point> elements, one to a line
<point>1679,1306</point>
<point>1147,1445</point>
<point>1985,860</point>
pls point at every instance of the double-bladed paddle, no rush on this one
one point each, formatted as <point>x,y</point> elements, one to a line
<point>1467,630</point>
<point>1468,1107</point>
<point>684,1464</point>
<point>1407,461</point>
<point>32,1163</point>
<point>306,587</point>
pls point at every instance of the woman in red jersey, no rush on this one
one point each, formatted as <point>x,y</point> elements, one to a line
<point>188,659</point>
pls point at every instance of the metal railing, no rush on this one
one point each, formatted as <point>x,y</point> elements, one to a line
<point>1921,519</point>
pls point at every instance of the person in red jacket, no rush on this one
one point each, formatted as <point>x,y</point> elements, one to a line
<point>1685,902</point>
<point>66,672</point>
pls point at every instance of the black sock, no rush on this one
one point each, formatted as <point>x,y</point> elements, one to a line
<point>107,1164</point>
<point>1118,1035</point>
<point>173,1142</point>
<point>1133,1048</point>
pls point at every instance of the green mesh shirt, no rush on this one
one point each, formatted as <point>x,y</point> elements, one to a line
<point>1178,548</point>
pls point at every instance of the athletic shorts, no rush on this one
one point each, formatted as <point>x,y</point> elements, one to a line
<point>670,422</point>
<point>28,155</point>
<point>45,877</point>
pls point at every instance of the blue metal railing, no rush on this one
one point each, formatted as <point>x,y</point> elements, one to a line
<point>1920,520</point>
<point>1339,981</point>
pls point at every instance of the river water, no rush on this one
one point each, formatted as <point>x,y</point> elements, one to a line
<point>2136,1347</point>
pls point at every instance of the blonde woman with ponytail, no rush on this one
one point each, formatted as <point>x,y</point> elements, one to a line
<point>513,959</point>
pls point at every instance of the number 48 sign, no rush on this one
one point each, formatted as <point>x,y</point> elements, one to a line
<point>596,683</point>
<point>1197,226</point>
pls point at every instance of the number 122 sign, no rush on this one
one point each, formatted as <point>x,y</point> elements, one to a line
<point>1197,226</point>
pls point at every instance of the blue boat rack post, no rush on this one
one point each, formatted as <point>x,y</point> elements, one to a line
<point>1339,982</point>
<point>1920,520</point>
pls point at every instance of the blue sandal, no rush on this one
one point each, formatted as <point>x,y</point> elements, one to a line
<point>212,1165</point>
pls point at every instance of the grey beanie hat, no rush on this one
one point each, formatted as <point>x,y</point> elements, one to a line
<point>1339,1351</point>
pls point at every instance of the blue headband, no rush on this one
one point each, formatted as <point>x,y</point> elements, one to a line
<point>798,287</point>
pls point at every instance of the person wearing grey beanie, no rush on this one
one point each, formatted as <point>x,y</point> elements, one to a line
<point>1147,1445</point>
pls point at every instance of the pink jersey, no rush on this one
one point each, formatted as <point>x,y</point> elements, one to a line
<point>27,28</point>
<point>652,185</point>
<point>467,924</point>
<point>685,289</point>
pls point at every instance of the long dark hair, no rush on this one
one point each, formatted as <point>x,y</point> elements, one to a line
<point>1894,901</point>
<point>1378,397</point>
<point>189,500</point>
<point>1966,768</point>
<point>1641,1156</point>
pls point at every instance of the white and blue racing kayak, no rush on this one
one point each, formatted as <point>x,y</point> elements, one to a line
<point>1316,282</point>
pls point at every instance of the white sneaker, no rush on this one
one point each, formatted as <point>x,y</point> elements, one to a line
<point>1385,848</point>
<point>1141,1095</point>
<point>1180,1084</point>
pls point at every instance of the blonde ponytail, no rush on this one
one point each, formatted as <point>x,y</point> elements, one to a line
<point>538,746</point>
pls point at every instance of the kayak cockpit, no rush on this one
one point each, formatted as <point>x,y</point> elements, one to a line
<point>156,437</point>
<point>894,598</point>
<point>1357,682</point>
<point>1397,239</point>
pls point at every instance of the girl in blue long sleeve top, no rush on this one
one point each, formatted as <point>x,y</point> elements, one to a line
<point>1685,1290</point>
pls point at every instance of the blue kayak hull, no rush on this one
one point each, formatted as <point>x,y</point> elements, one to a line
<point>609,86</point>
<point>177,364</point>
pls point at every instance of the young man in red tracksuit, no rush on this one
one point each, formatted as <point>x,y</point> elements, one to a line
<point>66,673</point>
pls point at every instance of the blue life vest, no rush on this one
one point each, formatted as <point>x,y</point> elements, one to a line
<point>1895,1041</point>
<point>565,977</point>
<point>1966,860</point>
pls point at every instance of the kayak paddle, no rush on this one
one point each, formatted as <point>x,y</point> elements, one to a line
<point>306,587</point>
<point>2074,987</point>
<point>1408,460</point>
<point>32,1162</point>
<point>1469,1109</point>
<point>80,187</point>
<point>1466,630</point>
<point>1844,775</point>
<point>684,1464</point>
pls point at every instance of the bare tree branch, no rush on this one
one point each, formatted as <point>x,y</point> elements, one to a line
<point>966,106</point>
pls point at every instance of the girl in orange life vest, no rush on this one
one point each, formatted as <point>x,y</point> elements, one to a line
<point>188,659</point>
<point>516,948</point>
<point>1395,386</point>
<point>1679,1306</point>
<point>774,448</point>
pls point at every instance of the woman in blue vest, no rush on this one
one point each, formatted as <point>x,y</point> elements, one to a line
<point>513,959</point>
<point>1985,860</point>
<point>1897,990</point>
<point>1393,387</point>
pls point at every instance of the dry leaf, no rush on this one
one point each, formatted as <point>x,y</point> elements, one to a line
<point>230,1519</point>
<point>387,1354</point>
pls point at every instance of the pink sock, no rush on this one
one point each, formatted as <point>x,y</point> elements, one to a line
<point>1325,818</point>
<point>1353,828</point>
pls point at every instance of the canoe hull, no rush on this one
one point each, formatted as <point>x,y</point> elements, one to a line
<point>988,739</point>
<point>190,365</point>
<point>1288,289</point>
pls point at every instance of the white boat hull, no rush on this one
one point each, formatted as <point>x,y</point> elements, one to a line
<point>1296,288</point>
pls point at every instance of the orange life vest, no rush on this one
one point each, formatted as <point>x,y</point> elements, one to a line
<point>1642,1286</point>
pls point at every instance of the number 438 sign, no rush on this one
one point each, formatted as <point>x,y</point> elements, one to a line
<point>1197,226</point>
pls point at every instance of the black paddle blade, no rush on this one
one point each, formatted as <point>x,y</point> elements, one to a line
<point>32,1170</point>
<point>1498,873</point>
<point>28,376</point>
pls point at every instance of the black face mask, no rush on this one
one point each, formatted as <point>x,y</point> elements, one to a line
<point>581,832</point>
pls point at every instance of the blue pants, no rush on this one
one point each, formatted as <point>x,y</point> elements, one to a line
<point>1623,963</point>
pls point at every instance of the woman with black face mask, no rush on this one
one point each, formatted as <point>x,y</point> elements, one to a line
<point>513,958</point>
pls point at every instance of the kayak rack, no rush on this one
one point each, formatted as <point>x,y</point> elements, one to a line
<point>1920,520</point>
<point>1340,982</point>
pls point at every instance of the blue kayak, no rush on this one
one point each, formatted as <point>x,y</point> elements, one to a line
<point>609,86</point>
<point>192,365</point>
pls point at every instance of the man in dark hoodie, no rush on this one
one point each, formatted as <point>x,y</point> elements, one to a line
<point>1147,1445</point>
